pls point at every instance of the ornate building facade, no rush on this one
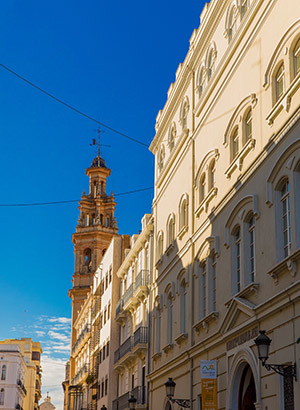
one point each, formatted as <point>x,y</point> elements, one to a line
<point>226,210</point>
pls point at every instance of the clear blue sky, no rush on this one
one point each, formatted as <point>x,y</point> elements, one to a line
<point>112,60</point>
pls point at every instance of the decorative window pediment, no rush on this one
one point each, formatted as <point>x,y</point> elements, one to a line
<point>239,134</point>
<point>205,181</point>
<point>246,205</point>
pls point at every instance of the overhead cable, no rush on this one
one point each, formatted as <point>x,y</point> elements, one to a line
<point>71,200</point>
<point>71,107</point>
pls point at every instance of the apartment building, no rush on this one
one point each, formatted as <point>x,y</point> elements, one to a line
<point>131,359</point>
<point>226,220</point>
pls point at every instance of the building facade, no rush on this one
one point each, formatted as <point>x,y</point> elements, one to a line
<point>226,210</point>
<point>131,359</point>
<point>32,382</point>
<point>12,377</point>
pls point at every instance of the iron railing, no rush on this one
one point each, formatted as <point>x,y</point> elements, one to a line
<point>139,393</point>
<point>121,403</point>
<point>81,336</point>
<point>142,279</point>
<point>140,336</point>
<point>128,294</point>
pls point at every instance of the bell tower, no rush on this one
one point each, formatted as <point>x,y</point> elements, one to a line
<point>95,228</point>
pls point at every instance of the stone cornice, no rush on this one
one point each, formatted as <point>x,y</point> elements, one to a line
<point>199,42</point>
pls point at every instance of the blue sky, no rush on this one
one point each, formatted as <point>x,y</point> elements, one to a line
<point>114,61</point>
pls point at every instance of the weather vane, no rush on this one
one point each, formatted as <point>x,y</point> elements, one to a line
<point>94,142</point>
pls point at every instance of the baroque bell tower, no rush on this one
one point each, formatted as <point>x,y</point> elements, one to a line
<point>95,228</point>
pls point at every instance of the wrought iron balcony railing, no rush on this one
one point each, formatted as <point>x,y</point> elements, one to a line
<point>80,337</point>
<point>142,279</point>
<point>140,336</point>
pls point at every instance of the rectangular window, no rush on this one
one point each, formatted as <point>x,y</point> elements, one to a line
<point>286,220</point>
<point>238,260</point>
<point>107,349</point>
<point>204,289</point>
<point>106,386</point>
<point>214,284</point>
<point>158,330</point>
<point>251,249</point>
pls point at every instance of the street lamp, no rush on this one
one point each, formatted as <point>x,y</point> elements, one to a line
<point>170,389</point>
<point>132,402</point>
<point>263,344</point>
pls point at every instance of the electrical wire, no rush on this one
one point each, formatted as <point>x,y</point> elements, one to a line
<point>71,107</point>
<point>71,200</point>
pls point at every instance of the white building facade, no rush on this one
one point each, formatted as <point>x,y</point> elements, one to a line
<point>12,377</point>
<point>131,359</point>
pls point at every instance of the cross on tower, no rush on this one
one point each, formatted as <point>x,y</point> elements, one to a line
<point>95,142</point>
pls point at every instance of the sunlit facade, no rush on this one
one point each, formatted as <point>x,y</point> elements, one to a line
<point>226,231</point>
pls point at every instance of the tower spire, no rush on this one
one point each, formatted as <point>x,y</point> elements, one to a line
<point>99,132</point>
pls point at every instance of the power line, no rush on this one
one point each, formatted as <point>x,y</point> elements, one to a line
<point>71,200</point>
<point>71,107</point>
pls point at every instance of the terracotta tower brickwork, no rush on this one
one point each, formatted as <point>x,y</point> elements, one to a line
<point>95,229</point>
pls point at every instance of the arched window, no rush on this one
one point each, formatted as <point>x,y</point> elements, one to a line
<point>214,282</point>
<point>202,81</point>
<point>250,250</point>
<point>3,372</point>
<point>183,213</point>
<point>211,174</point>
<point>183,306</point>
<point>286,218</point>
<point>234,143</point>
<point>279,82</point>
<point>184,113</point>
<point>232,23</point>
<point>296,55</point>
<point>158,331</point>
<point>236,259</point>
<point>2,392</point>
<point>203,294</point>
<point>210,64</point>
<point>172,136</point>
<point>248,125</point>
<point>202,187</point>
<point>159,245</point>
<point>161,157</point>
<point>169,319</point>
<point>170,230</point>
<point>88,257</point>
<point>244,7</point>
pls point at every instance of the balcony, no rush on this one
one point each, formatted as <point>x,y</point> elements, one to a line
<point>96,307</point>
<point>134,345</point>
<point>138,290</point>
<point>121,403</point>
<point>123,349</point>
<point>81,373</point>
<point>85,332</point>
<point>139,393</point>
<point>141,284</point>
<point>21,386</point>
<point>128,294</point>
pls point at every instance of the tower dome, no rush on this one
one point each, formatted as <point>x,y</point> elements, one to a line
<point>98,162</point>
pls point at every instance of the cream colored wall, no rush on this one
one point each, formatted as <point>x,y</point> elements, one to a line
<point>240,72</point>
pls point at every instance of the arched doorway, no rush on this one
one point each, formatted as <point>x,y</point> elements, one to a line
<point>243,392</point>
<point>247,391</point>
